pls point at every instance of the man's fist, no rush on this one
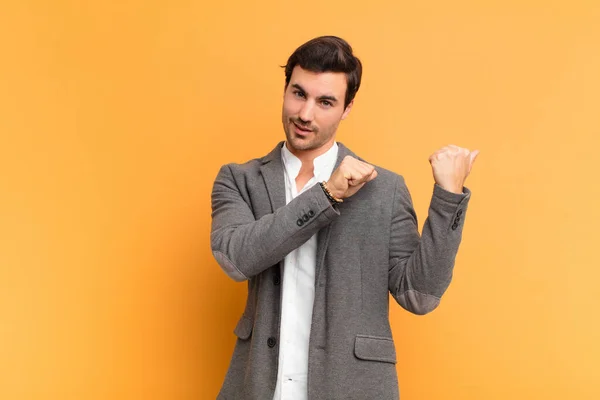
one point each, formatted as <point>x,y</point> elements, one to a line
<point>349,177</point>
<point>451,165</point>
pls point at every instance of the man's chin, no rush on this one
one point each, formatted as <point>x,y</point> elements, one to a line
<point>301,144</point>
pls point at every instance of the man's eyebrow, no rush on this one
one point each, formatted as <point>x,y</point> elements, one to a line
<point>295,85</point>
<point>320,98</point>
<point>333,99</point>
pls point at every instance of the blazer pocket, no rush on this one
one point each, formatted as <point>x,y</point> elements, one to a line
<point>375,348</point>
<point>243,329</point>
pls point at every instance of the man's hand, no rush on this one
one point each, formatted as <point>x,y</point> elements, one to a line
<point>451,165</point>
<point>349,177</point>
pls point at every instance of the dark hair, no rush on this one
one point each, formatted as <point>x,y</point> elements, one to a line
<point>327,54</point>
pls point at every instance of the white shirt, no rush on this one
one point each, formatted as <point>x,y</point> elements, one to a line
<point>298,290</point>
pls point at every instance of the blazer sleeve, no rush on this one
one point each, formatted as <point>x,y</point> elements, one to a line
<point>244,246</point>
<point>420,268</point>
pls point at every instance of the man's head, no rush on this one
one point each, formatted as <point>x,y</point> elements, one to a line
<point>321,79</point>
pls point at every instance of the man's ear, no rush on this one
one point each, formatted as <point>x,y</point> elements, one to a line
<point>347,110</point>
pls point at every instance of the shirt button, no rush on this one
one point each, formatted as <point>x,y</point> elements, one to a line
<point>271,342</point>
<point>276,280</point>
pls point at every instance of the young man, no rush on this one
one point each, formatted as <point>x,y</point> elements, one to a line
<point>322,237</point>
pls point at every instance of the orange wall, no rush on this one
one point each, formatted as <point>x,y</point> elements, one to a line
<point>116,115</point>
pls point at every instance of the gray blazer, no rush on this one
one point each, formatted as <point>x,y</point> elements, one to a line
<point>367,246</point>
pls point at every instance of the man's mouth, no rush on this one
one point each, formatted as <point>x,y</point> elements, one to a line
<point>301,128</point>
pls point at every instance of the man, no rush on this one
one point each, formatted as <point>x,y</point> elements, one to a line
<point>322,237</point>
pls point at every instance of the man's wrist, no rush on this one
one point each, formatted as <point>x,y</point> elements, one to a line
<point>452,189</point>
<point>332,199</point>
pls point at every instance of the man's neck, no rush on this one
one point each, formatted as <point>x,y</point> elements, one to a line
<point>307,157</point>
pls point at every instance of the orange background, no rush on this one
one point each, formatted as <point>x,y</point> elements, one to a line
<point>116,115</point>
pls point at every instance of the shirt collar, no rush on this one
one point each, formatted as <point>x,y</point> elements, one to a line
<point>323,164</point>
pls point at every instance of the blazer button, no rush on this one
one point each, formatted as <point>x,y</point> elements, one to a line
<point>459,212</point>
<point>311,213</point>
<point>305,218</point>
<point>271,342</point>
<point>299,222</point>
<point>454,226</point>
<point>276,280</point>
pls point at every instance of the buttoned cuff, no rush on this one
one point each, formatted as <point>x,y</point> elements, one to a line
<point>450,197</point>
<point>322,202</point>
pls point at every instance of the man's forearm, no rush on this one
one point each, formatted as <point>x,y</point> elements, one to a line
<point>244,246</point>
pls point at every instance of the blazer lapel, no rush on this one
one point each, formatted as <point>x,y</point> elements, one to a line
<point>272,173</point>
<point>323,235</point>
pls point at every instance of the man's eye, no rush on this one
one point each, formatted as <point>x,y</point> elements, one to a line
<point>299,94</point>
<point>326,103</point>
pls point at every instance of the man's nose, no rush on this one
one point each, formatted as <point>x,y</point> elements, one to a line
<point>307,111</point>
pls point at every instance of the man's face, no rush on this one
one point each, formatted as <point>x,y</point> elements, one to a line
<point>313,106</point>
